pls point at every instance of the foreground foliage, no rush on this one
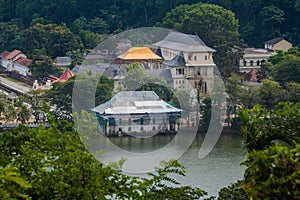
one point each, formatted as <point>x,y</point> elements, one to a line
<point>262,127</point>
<point>58,166</point>
<point>11,183</point>
<point>234,191</point>
<point>273,173</point>
<point>271,138</point>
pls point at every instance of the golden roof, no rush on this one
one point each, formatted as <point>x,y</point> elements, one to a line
<point>139,53</point>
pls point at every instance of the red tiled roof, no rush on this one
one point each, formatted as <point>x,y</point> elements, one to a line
<point>12,54</point>
<point>251,76</point>
<point>65,76</point>
<point>23,61</point>
<point>4,54</point>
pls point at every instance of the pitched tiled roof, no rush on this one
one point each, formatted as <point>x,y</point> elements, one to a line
<point>183,42</point>
<point>62,61</point>
<point>139,53</point>
<point>158,52</point>
<point>23,61</point>
<point>65,76</point>
<point>12,54</point>
<point>113,71</point>
<point>4,54</point>
<point>177,61</point>
<point>251,76</point>
<point>274,40</point>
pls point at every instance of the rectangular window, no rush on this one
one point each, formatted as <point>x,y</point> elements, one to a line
<point>205,57</point>
<point>179,71</point>
<point>189,57</point>
<point>195,57</point>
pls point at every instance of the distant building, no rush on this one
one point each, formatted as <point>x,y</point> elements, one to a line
<point>189,59</point>
<point>63,62</point>
<point>249,78</point>
<point>64,77</point>
<point>137,112</point>
<point>115,72</point>
<point>278,44</point>
<point>252,59</point>
<point>15,61</point>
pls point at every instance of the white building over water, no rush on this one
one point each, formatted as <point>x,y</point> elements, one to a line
<point>137,112</point>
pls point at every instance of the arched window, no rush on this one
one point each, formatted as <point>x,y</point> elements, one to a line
<point>251,62</point>
<point>244,62</point>
<point>257,62</point>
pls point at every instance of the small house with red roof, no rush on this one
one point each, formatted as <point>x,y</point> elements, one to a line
<point>15,61</point>
<point>64,77</point>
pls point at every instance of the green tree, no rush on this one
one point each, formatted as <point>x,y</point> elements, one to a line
<point>97,25</point>
<point>270,93</point>
<point>55,40</point>
<point>11,184</point>
<point>42,65</point>
<point>262,127</point>
<point>10,113</point>
<point>90,39</point>
<point>272,138</point>
<point>273,173</point>
<point>249,97</point>
<point>292,91</point>
<point>23,114</point>
<point>104,89</point>
<point>137,79</point>
<point>76,56</point>
<point>233,89</point>
<point>287,70</point>
<point>234,191</point>
<point>61,93</point>
<point>271,17</point>
<point>9,33</point>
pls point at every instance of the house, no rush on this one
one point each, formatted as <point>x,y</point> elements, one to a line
<point>278,44</point>
<point>189,59</point>
<point>137,113</point>
<point>115,72</point>
<point>15,61</point>
<point>64,77</point>
<point>252,58</point>
<point>63,62</point>
<point>249,78</point>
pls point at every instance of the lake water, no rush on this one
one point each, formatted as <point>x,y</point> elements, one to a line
<point>217,169</point>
